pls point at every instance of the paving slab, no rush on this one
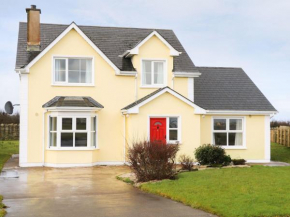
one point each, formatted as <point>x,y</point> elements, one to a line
<point>92,191</point>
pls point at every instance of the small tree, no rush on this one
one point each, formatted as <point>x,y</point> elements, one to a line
<point>151,160</point>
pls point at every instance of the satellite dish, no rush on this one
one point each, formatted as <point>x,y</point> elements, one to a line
<point>9,107</point>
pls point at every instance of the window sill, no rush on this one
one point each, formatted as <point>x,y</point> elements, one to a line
<point>234,148</point>
<point>72,149</point>
<point>73,85</point>
<point>153,86</point>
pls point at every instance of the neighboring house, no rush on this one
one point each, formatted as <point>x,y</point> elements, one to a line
<point>88,92</point>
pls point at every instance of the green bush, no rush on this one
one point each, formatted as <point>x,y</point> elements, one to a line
<point>227,160</point>
<point>211,155</point>
<point>239,161</point>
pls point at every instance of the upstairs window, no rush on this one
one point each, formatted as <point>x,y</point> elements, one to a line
<point>153,73</point>
<point>73,71</point>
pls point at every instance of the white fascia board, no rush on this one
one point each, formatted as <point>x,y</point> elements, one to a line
<point>135,50</point>
<point>135,109</point>
<point>186,74</point>
<point>233,112</point>
<point>73,109</point>
<point>66,31</point>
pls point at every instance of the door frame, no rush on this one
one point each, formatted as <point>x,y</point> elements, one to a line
<point>167,126</point>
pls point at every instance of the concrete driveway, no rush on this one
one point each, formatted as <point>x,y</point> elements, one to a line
<point>84,192</point>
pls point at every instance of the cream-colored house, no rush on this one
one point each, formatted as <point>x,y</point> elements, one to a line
<point>89,92</point>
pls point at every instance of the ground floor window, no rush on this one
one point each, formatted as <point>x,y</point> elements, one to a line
<point>165,129</point>
<point>228,131</point>
<point>73,131</point>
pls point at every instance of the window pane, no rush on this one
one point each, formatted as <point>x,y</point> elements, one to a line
<point>60,70</point>
<point>66,140</point>
<point>73,76</point>
<point>93,123</point>
<point>93,139</point>
<point>220,124</point>
<point>173,123</point>
<point>236,124</point>
<point>158,73</point>
<point>67,123</point>
<point>147,71</point>
<point>52,124</point>
<point>172,134</point>
<point>81,123</point>
<point>235,139</point>
<point>52,139</point>
<point>220,138</point>
<point>74,64</point>
<point>81,139</point>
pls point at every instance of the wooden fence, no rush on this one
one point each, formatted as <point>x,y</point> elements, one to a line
<point>281,135</point>
<point>9,131</point>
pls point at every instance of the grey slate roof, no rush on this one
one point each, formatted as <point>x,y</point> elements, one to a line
<point>72,101</point>
<point>112,41</point>
<point>228,89</point>
<point>223,89</point>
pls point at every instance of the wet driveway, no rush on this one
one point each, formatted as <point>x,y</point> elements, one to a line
<point>93,191</point>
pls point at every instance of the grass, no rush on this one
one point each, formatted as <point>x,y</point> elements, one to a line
<point>126,180</point>
<point>7,148</point>
<point>255,191</point>
<point>280,153</point>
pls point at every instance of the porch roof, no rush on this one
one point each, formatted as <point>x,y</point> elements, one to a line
<point>72,101</point>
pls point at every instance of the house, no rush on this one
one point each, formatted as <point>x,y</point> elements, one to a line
<point>88,92</point>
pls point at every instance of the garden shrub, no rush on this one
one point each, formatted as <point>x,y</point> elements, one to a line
<point>227,160</point>
<point>186,162</point>
<point>211,155</point>
<point>151,160</point>
<point>239,161</point>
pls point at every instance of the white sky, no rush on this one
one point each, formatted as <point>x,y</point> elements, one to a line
<point>252,34</point>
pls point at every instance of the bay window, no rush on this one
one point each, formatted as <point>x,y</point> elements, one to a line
<point>72,132</point>
<point>153,73</point>
<point>73,71</point>
<point>228,132</point>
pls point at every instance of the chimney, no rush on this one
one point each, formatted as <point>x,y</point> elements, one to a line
<point>33,28</point>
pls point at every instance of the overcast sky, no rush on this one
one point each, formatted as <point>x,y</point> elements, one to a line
<point>252,34</point>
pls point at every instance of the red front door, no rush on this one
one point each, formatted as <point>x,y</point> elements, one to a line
<point>158,129</point>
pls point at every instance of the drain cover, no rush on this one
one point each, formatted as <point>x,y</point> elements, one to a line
<point>9,174</point>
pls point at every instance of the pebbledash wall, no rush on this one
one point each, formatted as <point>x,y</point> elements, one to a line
<point>113,92</point>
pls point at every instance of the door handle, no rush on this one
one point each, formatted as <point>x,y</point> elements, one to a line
<point>165,137</point>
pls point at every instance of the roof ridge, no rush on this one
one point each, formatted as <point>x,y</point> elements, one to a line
<point>114,27</point>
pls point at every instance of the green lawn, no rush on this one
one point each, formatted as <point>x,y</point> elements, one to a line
<point>255,191</point>
<point>7,148</point>
<point>280,153</point>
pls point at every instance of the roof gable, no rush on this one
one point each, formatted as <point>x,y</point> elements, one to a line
<point>135,50</point>
<point>64,33</point>
<point>134,107</point>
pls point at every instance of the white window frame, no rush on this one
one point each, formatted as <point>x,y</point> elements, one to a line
<point>74,116</point>
<point>167,127</point>
<point>152,85</point>
<point>227,131</point>
<point>66,83</point>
